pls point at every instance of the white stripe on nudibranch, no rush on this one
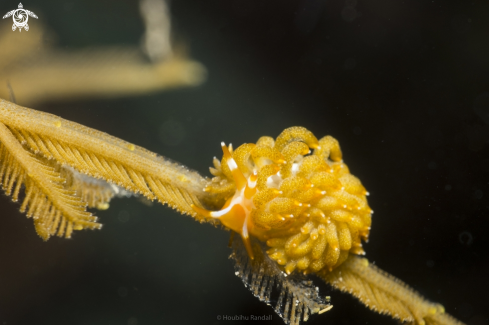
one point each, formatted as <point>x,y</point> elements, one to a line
<point>295,168</point>
<point>244,232</point>
<point>231,163</point>
<point>252,184</point>
<point>220,213</point>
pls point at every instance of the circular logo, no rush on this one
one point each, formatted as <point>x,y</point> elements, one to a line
<point>20,17</point>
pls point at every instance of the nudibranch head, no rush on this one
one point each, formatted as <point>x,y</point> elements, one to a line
<point>304,204</point>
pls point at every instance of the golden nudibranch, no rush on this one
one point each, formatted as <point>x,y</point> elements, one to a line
<point>305,205</point>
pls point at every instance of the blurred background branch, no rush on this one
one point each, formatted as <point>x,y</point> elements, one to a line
<point>156,41</point>
<point>40,72</point>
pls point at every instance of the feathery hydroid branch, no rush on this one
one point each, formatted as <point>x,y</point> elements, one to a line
<point>52,207</point>
<point>100,156</point>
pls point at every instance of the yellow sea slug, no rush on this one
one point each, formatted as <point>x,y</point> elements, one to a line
<point>303,203</point>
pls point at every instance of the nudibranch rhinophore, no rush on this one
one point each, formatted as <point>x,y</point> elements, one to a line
<point>304,204</point>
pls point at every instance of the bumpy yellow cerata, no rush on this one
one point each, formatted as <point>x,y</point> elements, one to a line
<point>306,205</point>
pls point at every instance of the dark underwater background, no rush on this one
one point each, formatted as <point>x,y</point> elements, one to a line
<point>403,86</point>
